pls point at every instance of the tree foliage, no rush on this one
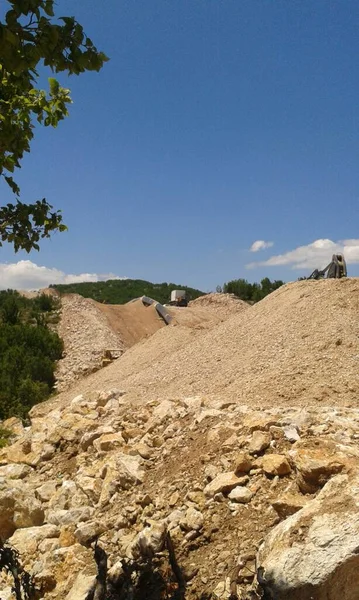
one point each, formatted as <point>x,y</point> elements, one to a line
<point>28,351</point>
<point>120,291</point>
<point>251,292</point>
<point>30,38</point>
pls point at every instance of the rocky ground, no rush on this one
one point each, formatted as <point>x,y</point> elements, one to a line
<point>241,492</point>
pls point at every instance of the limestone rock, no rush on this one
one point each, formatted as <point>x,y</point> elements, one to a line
<point>275,464</point>
<point>122,472</point>
<point>81,588</point>
<point>256,421</point>
<point>165,409</point>
<point>260,441</point>
<point>316,463</point>
<point>243,463</point>
<point>28,452</point>
<point>70,494</point>
<point>143,450</point>
<point>314,553</point>
<point>108,441</point>
<point>26,541</point>
<point>90,488</point>
<point>150,540</point>
<point>291,433</point>
<point>45,492</point>
<point>14,425</point>
<point>18,508</point>
<point>197,497</point>
<point>288,504</point>
<point>90,436</point>
<point>70,517</point>
<point>241,495</point>
<point>222,590</point>
<point>15,471</point>
<point>225,482</point>
<point>193,520</point>
<point>174,499</point>
<point>88,532</point>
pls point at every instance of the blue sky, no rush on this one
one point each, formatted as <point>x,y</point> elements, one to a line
<point>216,123</point>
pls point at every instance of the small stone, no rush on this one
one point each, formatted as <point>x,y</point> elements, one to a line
<point>240,494</point>
<point>288,504</point>
<point>143,450</point>
<point>108,441</point>
<point>15,471</point>
<point>260,441</point>
<point>88,532</point>
<point>45,492</point>
<point>193,520</point>
<point>275,464</point>
<point>291,433</point>
<point>242,463</point>
<point>225,482</point>
<point>196,497</point>
<point>144,500</point>
<point>174,499</point>
<point>157,441</point>
<point>211,472</point>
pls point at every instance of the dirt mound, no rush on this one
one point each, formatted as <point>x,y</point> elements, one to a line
<point>299,345</point>
<point>225,304</point>
<point>86,334</point>
<point>88,328</point>
<point>133,321</point>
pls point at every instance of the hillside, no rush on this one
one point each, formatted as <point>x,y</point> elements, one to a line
<point>120,291</point>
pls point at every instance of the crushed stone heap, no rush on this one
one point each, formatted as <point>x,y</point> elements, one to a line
<point>225,304</point>
<point>299,346</point>
<point>86,334</point>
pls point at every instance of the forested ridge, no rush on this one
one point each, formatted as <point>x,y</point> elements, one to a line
<point>120,291</point>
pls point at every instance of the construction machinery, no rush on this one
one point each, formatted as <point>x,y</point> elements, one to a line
<point>179,298</point>
<point>336,269</point>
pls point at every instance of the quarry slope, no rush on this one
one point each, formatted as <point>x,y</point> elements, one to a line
<point>299,346</point>
<point>88,328</point>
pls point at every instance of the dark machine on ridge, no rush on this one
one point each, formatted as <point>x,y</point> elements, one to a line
<point>336,269</point>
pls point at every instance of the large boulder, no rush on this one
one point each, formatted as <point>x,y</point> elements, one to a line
<point>316,461</point>
<point>314,554</point>
<point>18,508</point>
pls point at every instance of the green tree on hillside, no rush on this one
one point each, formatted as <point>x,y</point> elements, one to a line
<point>251,292</point>
<point>28,353</point>
<point>29,38</point>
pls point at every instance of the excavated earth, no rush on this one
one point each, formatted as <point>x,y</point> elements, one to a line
<point>298,346</point>
<point>220,433</point>
<point>89,328</point>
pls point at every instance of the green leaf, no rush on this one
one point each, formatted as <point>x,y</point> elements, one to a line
<point>54,86</point>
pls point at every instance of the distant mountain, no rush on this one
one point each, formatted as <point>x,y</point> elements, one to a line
<point>120,291</point>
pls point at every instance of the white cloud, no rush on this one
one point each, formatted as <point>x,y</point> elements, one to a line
<point>26,275</point>
<point>260,245</point>
<point>315,255</point>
